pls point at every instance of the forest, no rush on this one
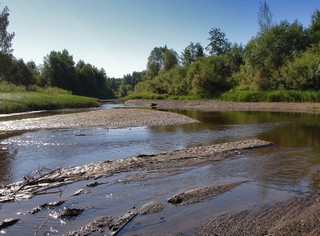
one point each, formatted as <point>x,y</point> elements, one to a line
<point>280,63</point>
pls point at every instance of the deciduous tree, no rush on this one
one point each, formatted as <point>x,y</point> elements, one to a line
<point>218,43</point>
<point>264,17</point>
<point>5,37</point>
<point>191,53</point>
<point>314,31</point>
<point>59,70</point>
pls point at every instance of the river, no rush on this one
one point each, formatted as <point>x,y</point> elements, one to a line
<point>289,168</point>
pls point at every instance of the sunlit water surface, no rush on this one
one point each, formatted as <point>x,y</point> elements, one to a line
<point>291,167</point>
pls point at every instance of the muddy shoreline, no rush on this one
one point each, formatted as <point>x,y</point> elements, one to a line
<point>146,167</point>
<point>41,182</point>
<point>212,105</point>
<point>297,216</point>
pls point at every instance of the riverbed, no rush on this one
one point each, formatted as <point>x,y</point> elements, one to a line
<point>289,168</point>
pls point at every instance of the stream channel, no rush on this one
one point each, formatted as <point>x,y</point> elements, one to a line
<point>291,167</point>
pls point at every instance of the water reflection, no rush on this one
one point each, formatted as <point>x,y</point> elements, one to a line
<point>7,156</point>
<point>294,162</point>
<point>295,158</point>
<point>5,164</point>
<point>288,168</point>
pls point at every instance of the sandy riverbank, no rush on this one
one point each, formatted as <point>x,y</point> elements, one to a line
<point>211,105</point>
<point>112,118</point>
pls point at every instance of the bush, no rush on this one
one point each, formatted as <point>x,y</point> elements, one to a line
<point>304,72</point>
<point>8,87</point>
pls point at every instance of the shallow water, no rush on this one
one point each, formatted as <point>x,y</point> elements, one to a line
<point>291,167</point>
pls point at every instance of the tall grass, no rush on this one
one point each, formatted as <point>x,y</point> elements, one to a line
<point>7,87</point>
<point>19,99</point>
<point>271,96</point>
<point>31,101</point>
<point>147,96</point>
<point>243,96</point>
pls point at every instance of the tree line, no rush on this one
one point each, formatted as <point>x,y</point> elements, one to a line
<point>282,56</point>
<point>58,69</point>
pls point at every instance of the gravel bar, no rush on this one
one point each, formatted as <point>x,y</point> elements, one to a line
<point>113,118</point>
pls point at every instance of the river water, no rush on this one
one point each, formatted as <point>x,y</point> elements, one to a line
<point>291,167</point>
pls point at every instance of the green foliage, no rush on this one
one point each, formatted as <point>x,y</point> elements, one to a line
<point>314,30</point>
<point>209,75</point>
<point>128,82</point>
<point>5,37</point>
<point>281,56</point>
<point>86,80</point>
<point>30,101</point>
<point>147,96</point>
<point>218,43</point>
<point>133,78</point>
<point>160,59</point>
<point>170,59</point>
<point>59,70</point>
<point>271,96</point>
<point>124,89</point>
<point>304,72</point>
<point>16,71</point>
<point>170,82</point>
<point>6,87</point>
<point>15,98</point>
<point>264,17</point>
<point>49,90</point>
<point>191,53</point>
<point>114,83</point>
<point>155,62</point>
<point>266,54</point>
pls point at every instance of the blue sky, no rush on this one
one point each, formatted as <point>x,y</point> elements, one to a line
<point>118,35</point>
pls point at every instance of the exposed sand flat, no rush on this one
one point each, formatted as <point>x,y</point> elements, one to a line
<point>296,216</point>
<point>113,118</point>
<point>212,105</point>
<point>186,157</point>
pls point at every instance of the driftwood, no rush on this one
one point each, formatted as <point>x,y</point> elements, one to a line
<point>8,222</point>
<point>187,157</point>
<point>100,224</point>
<point>38,208</point>
<point>115,226</point>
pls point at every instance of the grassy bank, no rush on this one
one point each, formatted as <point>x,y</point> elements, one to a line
<point>271,96</point>
<point>11,102</point>
<point>243,96</point>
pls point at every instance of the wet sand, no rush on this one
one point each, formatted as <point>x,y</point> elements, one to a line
<point>297,216</point>
<point>162,163</point>
<point>155,166</point>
